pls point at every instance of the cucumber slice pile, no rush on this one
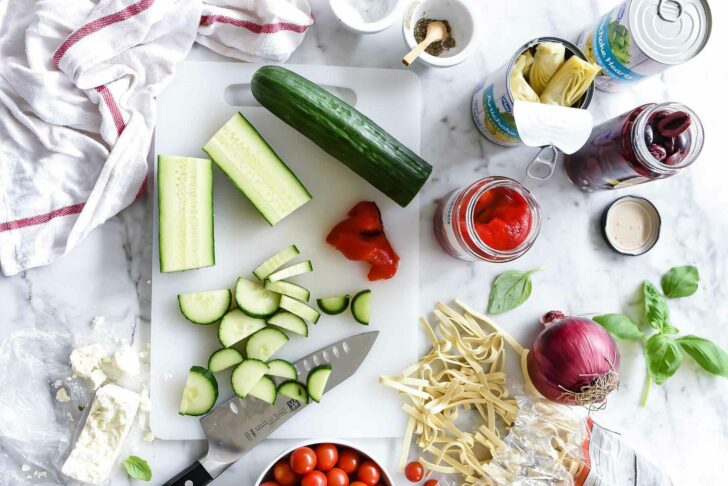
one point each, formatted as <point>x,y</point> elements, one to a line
<point>246,375</point>
<point>289,322</point>
<point>236,326</point>
<point>292,271</point>
<point>204,307</point>
<point>301,309</point>
<point>361,305</point>
<point>265,343</point>
<point>200,392</point>
<point>282,369</point>
<point>290,289</point>
<point>293,389</point>
<point>333,305</point>
<point>223,359</point>
<point>265,390</point>
<point>316,382</point>
<point>253,299</point>
<point>275,262</point>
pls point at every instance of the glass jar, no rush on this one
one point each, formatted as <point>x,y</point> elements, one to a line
<point>495,219</point>
<point>637,147</point>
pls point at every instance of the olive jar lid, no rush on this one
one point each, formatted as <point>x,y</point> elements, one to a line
<point>631,225</point>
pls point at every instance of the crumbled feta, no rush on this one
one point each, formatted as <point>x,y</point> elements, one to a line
<point>58,383</point>
<point>148,436</point>
<point>25,468</point>
<point>99,444</point>
<point>86,362</point>
<point>98,321</point>
<point>40,474</point>
<point>126,361</point>
<point>144,402</point>
<point>62,395</point>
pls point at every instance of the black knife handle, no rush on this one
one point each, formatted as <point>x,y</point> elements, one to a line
<point>195,473</point>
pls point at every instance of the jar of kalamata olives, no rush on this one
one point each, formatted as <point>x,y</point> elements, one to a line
<point>495,219</point>
<point>653,141</point>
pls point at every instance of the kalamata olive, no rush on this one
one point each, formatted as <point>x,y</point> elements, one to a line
<point>675,158</point>
<point>683,142</point>
<point>670,145</point>
<point>674,124</point>
<point>649,135</point>
<point>657,151</point>
<point>658,115</point>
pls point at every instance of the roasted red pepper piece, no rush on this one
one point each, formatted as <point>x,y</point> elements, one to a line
<point>361,238</point>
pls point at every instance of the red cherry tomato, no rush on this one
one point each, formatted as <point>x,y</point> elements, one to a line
<point>337,477</point>
<point>348,461</point>
<point>368,473</point>
<point>414,471</point>
<point>269,483</point>
<point>284,475</point>
<point>357,483</point>
<point>431,482</point>
<point>303,460</point>
<point>314,478</point>
<point>326,456</point>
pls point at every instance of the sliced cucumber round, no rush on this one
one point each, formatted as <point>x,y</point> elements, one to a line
<point>204,307</point>
<point>361,305</point>
<point>290,289</point>
<point>223,359</point>
<point>289,322</point>
<point>333,305</point>
<point>282,369</point>
<point>253,299</point>
<point>200,392</point>
<point>292,271</point>
<point>316,382</point>
<point>265,343</point>
<point>265,390</point>
<point>236,326</point>
<point>275,262</point>
<point>293,389</point>
<point>301,309</point>
<point>246,375</point>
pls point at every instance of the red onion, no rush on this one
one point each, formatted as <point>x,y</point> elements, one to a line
<point>574,361</point>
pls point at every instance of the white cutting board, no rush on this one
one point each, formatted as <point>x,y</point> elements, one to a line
<point>191,110</point>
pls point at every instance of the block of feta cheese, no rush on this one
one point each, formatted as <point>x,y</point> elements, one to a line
<point>99,444</point>
<point>86,362</point>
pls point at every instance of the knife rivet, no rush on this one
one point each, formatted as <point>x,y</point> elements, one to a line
<point>306,365</point>
<point>189,483</point>
<point>326,356</point>
<point>346,347</point>
<point>316,361</point>
<point>234,408</point>
<point>335,350</point>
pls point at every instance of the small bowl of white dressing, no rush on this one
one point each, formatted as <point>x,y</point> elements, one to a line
<point>366,16</point>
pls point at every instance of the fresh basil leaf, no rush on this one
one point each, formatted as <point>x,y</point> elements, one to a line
<point>707,354</point>
<point>669,329</point>
<point>656,310</point>
<point>138,468</point>
<point>680,281</point>
<point>619,326</point>
<point>509,290</point>
<point>663,357</point>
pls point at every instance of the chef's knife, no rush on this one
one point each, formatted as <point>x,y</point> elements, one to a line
<point>238,425</point>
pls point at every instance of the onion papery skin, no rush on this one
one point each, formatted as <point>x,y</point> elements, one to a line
<point>570,354</point>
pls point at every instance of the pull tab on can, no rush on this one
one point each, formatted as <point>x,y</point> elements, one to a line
<point>542,167</point>
<point>670,10</point>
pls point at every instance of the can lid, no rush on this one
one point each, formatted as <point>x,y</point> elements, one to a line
<point>631,225</point>
<point>670,31</point>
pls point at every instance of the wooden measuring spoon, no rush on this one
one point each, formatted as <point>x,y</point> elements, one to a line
<point>436,31</point>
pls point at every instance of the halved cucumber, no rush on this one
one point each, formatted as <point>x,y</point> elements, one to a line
<point>186,228</point>
<point>253,299</point>
<point>236,326</point>
<point>223,359</point>
<point>316,382</point>
<point>265,390</point>
<point>265,343</point>
<point>200,392</point>
<point>204,307</point>
<point>292,271</point>
<point>333,305</point>
<point>275,262</point>
<point>252,165</point>
<point>282,369</point>
<point>360,306</point>
<point>290,289</point>
<point>246,375</point>
<point>293,389</point>
<point>301,309</point>
<point>289,322</point>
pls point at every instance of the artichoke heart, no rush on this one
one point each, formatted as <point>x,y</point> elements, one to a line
<point>548,59</point>
<point>570,82</point>
<point>520,88</point>
<point>524,63</point>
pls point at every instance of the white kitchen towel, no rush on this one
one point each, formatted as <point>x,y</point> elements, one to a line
<point>78,81</point>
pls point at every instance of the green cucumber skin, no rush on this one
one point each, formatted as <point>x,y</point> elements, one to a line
<point>355,311</point>
<point>340,304</point>
<point>342,132</point>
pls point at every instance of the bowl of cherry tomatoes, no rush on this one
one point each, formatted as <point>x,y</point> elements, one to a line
<point>334,463</point>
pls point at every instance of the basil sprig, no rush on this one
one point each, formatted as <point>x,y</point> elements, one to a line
<point>509,290</point>
<point>138,468</point>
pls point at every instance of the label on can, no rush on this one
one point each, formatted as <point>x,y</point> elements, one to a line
<point>493,110</point>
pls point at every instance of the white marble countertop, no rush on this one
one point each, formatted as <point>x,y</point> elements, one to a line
<point>684,428</point>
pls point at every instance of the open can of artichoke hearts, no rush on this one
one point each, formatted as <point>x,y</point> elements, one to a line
<point>493,100</point>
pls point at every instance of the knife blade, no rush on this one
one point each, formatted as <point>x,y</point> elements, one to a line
<point>236,426</point>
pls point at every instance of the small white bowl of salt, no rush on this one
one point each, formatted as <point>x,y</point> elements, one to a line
<point>366,16</point>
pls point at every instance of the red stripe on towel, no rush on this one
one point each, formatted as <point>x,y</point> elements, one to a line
<point>99,24</point>
<point>113,108</point>
<point>207,20</point>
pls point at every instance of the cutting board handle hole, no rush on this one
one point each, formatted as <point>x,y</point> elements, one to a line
<point>241,94</point>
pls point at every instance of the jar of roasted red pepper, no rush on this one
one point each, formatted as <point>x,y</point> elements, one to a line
<point>653,141</point>
<point>495,219</point>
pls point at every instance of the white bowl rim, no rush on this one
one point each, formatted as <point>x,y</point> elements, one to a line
<point>436,61</point>
<point>369,27</point>
<point>311,442</point>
